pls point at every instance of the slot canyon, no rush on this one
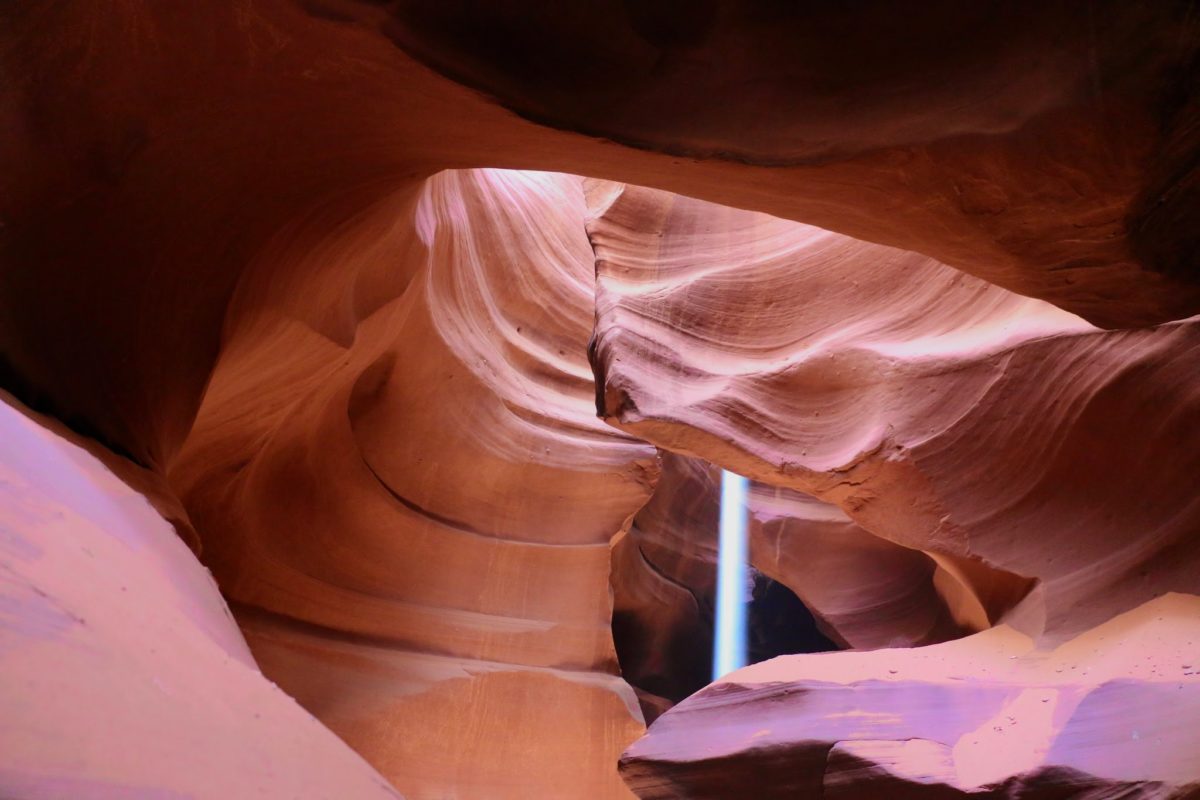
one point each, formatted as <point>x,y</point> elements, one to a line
<point>370,371</point>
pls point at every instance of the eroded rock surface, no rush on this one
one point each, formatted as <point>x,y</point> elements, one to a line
<point>939,412</point>
<point>180,145</point>
<point>865,592</point>
<point>412,518</point>
<point>230,254</point>
<point>987,716</point>
<point>123,672</point>
<point>1044,149</point>
<point>971,428</point>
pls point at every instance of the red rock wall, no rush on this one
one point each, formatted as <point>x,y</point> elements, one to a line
<point>157,151</point>
<point>230,254</point>
<point>986,716</point>
<point>413,523</point>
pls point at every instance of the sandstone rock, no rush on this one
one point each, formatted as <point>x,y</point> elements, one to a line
<point>355,383</point>
<point>944,414</point>
<point>987,716</point>
<point>676,529</point>
<point>1044,149</point>
<point>866,592</point>
<point>122,673</point>
<point>413,521</point>
<point>663,635</point>
<point>207,143</point>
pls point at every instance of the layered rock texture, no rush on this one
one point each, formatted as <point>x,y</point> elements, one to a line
<point>413,523</point>
<point>310,293</point>
<point>864,591</point>
<point>939,412</point>
<point>956,420</point>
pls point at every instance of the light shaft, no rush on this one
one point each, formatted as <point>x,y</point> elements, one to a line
<point>729,647</point>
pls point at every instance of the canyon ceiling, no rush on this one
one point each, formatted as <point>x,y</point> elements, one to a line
<point>367,370</point>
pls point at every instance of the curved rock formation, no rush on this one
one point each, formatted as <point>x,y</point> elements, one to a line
<point>1042,148</point>
<point>230,136</point>
<point>940,412</point>
<point>662,632</point>
<point>677,527</point>
<point>124,674</point>
<point>988,716</point>
<point>356,383</point>
<point>438,591</point>
<point>947,416</point>
<point>866,592</point>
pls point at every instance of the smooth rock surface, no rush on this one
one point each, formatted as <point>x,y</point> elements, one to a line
<point>987,716</point>
<point>122,672</point>
<point>158,152</point>
<point>412,518</point>
<point>230,253</point>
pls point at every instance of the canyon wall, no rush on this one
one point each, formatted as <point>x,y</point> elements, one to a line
<point>412,521</point>
<point>1039,468</point>
<point>157,151</point>
<point>1107,714</point>
<point>939,412</point>
<point>124,674</point>
<point>257,259</point>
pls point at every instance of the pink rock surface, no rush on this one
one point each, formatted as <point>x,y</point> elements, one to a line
<point>229,253</point>
<point>661,628</point>
<point>866,592</point>
<point>986,716</point>
<point>939,412</point>
<point>948,417</point>
<point>122,673</point>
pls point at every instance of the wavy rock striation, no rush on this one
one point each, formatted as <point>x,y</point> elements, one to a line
<point>229,253</point>
<point>939,412</point>
<point>412,520</point>
<point>1043,149</point>
<point>181,146</point>
<point>970,427</point>
<point>865,592</point>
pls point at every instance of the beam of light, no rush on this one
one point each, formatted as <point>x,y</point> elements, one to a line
<point>729,646</point>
